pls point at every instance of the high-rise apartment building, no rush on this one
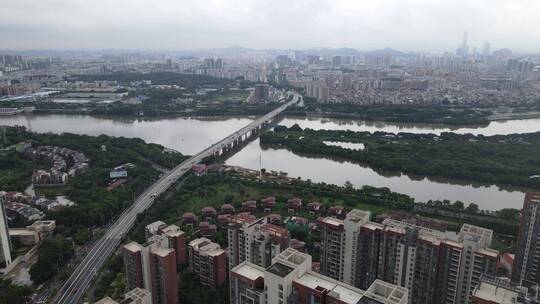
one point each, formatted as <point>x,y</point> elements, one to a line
<point>261,92</point>
<point>208,261</point>
<point>527,259</point>
<point>176,238</point>
<point>5,243</point>
<point>432,267</point>
<point>152,265</point>
<point>255,240</point>
<point>177,241</point>
<point>318,90</point>
<point>337,240</point>
<point>218,63</point>
<point>289,280</point>
<point>209,63</point>
<point>163,276</point>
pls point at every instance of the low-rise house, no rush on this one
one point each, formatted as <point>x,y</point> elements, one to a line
<point>268,203</point>
<point>14,196</point>
<point>25,211</point>
<point>64,163</point>
<point>249,206</point>
<point>298,245</point>
<point>52,178</point>
<point>53,204</point>
<point>314,208</point>
<point>227,209</point>
<point>189,219</point>
<point>223,220</point>
<point>274,218</point>
<point>337,211</point>
<point>207,230</point>
<point>294,204</point>
<point>199,169</point>
<point>208,213</point>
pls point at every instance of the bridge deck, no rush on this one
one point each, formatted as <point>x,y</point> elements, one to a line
<point>82,276</point>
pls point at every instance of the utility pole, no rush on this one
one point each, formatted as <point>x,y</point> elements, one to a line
<point>260,166</point>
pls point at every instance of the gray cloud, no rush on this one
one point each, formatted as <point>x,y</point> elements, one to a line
<point>431,25</point>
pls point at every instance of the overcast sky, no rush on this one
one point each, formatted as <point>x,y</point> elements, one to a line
<point>409,25</point>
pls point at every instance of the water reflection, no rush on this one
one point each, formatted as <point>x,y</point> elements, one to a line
<point>187,135</point>
<point>494,127</point>
<point>338,172</point>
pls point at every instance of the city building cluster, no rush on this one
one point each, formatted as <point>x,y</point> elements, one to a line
<point>361,260</point>
<point>11,205</point>
<point>423,79</point>
<point>20,205</point>
<point>467,77</point>
<point>64,162</point>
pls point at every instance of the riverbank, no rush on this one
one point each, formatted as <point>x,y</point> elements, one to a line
<point>497,159</point>
<point>514,116</point>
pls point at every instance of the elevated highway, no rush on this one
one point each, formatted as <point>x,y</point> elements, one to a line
<point>81,278</point>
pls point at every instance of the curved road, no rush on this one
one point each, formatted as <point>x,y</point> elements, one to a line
<point>83,274</point>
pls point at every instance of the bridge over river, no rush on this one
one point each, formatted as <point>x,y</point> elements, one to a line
<point>81,278</point>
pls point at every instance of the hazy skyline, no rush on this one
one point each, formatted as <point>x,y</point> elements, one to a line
<point>408,25</point>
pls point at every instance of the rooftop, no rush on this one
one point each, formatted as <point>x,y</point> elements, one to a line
<point>133,246</point>
<point>162,252</point>
<point>495,293</point>
<point>199,242</point>
<point>313,281</point>
<point>346,294</point>
<point>333,221</point>
<point>281,270</point>
<point>106,300</point>
<point>249,271</point>
<point>356,215</point>
<point>172,230</point>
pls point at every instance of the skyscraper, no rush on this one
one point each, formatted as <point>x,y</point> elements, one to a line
<point>526,265</point>
<point>485,50</point>
<point>463,49</point>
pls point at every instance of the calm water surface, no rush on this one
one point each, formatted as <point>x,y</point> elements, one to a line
<point>187,135</point>
<point>191,135</point>
<point>494,128</point>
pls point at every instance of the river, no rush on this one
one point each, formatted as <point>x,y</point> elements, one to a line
<point>502,127</point>
<point>190,135</point>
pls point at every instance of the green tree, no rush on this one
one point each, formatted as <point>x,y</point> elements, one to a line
<point>472,208</point>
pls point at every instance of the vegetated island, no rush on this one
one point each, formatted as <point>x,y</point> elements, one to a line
<point>500,159</point>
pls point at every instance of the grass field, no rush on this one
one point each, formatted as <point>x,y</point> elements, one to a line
<point>235,96</point>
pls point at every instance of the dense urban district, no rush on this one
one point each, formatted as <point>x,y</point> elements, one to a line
<point>111,219</point>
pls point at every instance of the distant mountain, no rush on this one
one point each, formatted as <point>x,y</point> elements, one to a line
<point>388,51</point>
<point>214,52</point>
<point>332,52</point>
